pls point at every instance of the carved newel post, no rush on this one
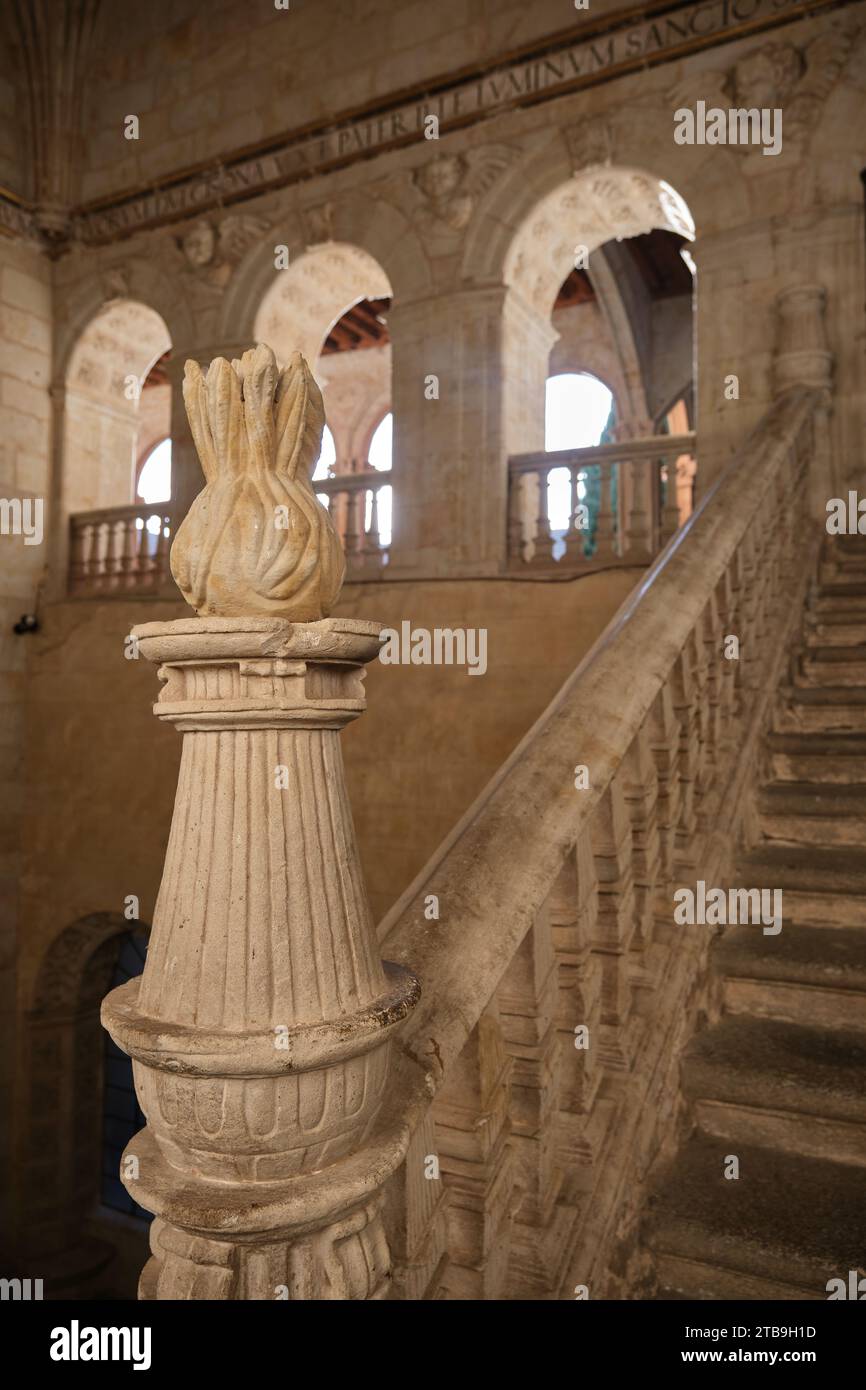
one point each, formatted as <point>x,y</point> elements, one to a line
<point>261,1028</point>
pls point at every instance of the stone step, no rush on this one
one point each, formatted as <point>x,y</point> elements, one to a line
<point>782,1229</point>
<point>833,666</point>
<point>822,709</point>
<point>806,813</point>
<point>844,586</point>
<point>812,975</point>
<point>780,1085</point>
<point>836,630</point>
<point>831,759</point>
<point>821,886</point>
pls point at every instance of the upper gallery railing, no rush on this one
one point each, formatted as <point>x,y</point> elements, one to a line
<point>584,509</point>
<point>119,550</point>
<point>122,551</point>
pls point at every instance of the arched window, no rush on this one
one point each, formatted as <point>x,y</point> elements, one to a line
<point>578,414</point>
<point>121,1113</point>
<point>154,477</point>
<point>379,455</point>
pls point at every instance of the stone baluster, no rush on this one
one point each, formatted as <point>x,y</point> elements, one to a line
<point>261,1028</point>
<point>517,528</point>
<point>416,1200</point>
<point>353,531</point>
<point>670,515</point>
<point>472,1114</point>
<point>663,732</point>
<point>728,667</point>
<point>528,1001</point>
<point>163,537</point>
<point>145,561</point>
<point>542,553</point>
<point>79,555</point>
<point>372,551</point>
<point>129,552</point>
<point>101,556</point>
<point>685,706</point>
<point>641,791</point>
<point>606,530</point>
<point>638,528</point>
<point>573,909</point>
<point>615,926</point>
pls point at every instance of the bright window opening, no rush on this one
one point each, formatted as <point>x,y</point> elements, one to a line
<point>327,458</point>
<point>154,480</point>
<point>577,412</point>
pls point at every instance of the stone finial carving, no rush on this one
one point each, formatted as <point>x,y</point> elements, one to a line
<point>257,541</point>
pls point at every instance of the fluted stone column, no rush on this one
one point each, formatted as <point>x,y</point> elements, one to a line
<point>261,1028</point>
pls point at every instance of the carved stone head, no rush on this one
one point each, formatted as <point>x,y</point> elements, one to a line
<point>199,244</point>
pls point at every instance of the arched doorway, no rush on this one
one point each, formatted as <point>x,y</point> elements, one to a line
<point>60,1164</point>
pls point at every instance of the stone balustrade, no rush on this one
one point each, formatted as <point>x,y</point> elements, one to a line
<point>578,510</point>
<point>556,991</point>
<point>119,551</point>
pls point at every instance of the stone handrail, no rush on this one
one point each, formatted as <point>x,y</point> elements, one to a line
<point>666,729</point>
<point>644,492</point>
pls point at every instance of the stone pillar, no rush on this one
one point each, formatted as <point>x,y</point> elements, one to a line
<point>260,1030</point>
<point>488,352</point>
<point>803,358</point>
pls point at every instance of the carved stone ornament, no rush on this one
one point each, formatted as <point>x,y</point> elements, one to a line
<point>210,251</point>
<point>452,185</point>
<point>257,540</point>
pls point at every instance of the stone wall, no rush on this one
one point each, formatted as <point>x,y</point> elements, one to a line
<point>25,372</point>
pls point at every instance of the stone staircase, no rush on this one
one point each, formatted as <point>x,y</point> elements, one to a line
<point>780,1080</point>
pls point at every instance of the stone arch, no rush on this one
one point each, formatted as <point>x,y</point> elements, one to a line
<point>136,281</point>
<point>361,219</point>
<point>115,350</point>
<point>62,1068</point>
<point>304,301</point>
<point>616,142</point>
<point>595,206</point>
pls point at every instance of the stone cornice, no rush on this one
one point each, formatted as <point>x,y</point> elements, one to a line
<point>588,55</point>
